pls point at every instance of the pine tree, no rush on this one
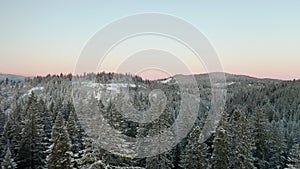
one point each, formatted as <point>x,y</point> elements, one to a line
<point>47,117</point>
<point>160,161</point>
<point>13,129</point>
<point>294,158</point>
<point>59,153</point>
<point>31,147</point>
<point>278,146</point>
<point>164,160</point>
<point>242,143</point>
<point>90,154</point>
<point>222,141</point>
<point>261,139</point>
<point>8,162</point>
<point>74,133</point>
<point>195,154</point>
<point>2,136</point>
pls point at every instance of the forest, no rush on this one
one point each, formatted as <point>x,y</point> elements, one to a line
<point>41,123</point>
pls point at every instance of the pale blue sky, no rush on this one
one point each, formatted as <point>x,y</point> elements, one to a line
<point>259,38</point>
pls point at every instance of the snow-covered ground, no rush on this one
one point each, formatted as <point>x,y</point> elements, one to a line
<point>109,86</point>
<point>230,83</point>
<point>166,80</point>
<point>33,90</point>
<point>100,90</point>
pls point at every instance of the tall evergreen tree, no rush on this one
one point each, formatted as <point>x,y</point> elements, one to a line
<point>47,117</point>
<point>90,154</point>
<point>294,158</point>
<point>164,159</point>
<point>8,162</point>
<point>195,154</point>
<point>260,133</point>
<point>31,147</point>
<point>74,133</point>
<point>222,141</point>
<point>160,161</point>
<point>242,142</point>
<point>278,146</point>
<point>59,153</point>
<point>13,129</point>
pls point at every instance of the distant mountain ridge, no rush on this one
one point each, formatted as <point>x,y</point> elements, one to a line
<point>12,77</point>
<point>204,76</point>
<point>229,76</point>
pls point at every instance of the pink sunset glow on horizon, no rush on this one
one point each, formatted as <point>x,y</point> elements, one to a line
<point>154,74</point>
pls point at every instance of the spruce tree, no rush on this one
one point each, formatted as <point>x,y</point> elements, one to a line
<point>8,162</point>
<point>59,153</point>
<point>12,130</point>
<point>160,161</point>
<point>74,133</point>
<point>222,141</point>
<point>31,147</point>
<point>164,160</point>
<point>90,154</point>
<point>260,133</point>
<point>294,158</point>
<point>195,154</point>
<point>242,143</point>
<point>278,146</point>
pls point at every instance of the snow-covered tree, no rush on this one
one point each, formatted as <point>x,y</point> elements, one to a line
<point>278,145</point>
<point>13,129</point>
<point>160,161</point>
<point>242,143</point>
<point>294,157</point>
<point>90,154</point>
<point>47,117</point>
<point>260,133</point>
<point>59,152</point>
<point>195,154</point>
<point>163,159</point>
<point>221,146</point>
<point>74,133</point>
<point>8,162</point>
<point>31,147</point>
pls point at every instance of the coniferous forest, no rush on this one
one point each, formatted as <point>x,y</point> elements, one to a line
<point>40,126</point>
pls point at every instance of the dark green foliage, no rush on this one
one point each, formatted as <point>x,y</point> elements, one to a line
<point>8,162</point>
<point>75,137</point>
<point>242,143</point>
<point>12,130</point>
<point>31,148</point>
<point>59,152</point>
<point>294,157</point>
<point>221,147</point>
<point>195,154</point>
<point>278,145</point>
<point>261,137</point>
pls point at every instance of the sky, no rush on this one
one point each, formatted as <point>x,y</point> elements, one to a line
<point>256,38</point>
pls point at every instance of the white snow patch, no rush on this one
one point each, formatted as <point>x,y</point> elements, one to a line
<point>230,83</point>
<point>109,86</point>
<point>117,86</point>
<point>166,80</point>
<point>35,88</point>
<point>97,95</point>
<point>222,84</point>
<point>32,90</point>
<point>101,90</point>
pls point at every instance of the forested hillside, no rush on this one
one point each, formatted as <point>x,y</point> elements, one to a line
<point>40,126</point>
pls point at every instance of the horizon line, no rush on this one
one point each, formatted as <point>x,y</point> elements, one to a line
<point>158,78</point>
